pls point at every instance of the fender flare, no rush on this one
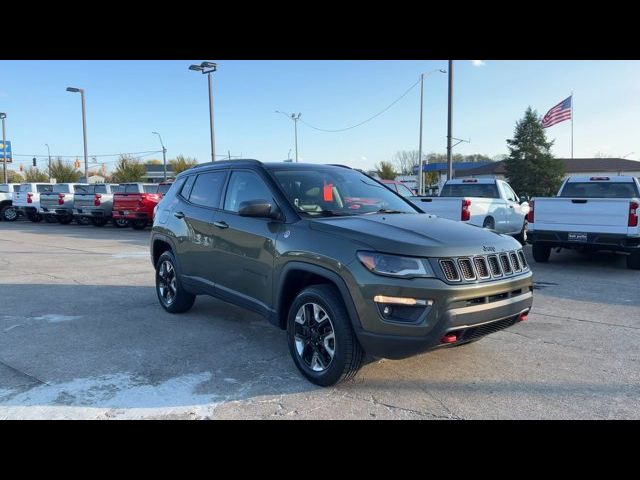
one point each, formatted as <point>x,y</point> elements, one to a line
<point>321,272</point>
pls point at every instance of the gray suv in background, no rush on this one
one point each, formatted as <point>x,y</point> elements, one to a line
<point>342,263</point>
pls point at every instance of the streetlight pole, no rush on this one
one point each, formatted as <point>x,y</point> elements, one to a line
<point>164,155</point>
<point>449,122</point>
<point>84,131</point>
<point>208,68</point>
<point>49,152</point>
<point>4,147</point>
<point>295,119</point>
<point>420,173</point>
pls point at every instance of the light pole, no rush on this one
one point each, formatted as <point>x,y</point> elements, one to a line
<point>295,119</point>
<point>4,147</point>
<point>449,122</point>
<point>164,155</point>
<point>420,175</point>
<point>207,68</point>
<point>84,131</point>
<point>49,151</point>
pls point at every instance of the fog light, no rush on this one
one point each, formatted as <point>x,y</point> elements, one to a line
<point>387,310</point>
<point>402,301</point>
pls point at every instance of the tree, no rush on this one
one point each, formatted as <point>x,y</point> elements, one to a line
<point>34,175</point>
<point>14,177</point>
<point>407,161</point>
<point>64,172</point>
<point>182,163</point>
<point>386,171</point>
<point>128,169</point>
<point>531,168</point>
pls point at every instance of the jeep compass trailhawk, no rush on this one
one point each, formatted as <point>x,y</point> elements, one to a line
<point>341,262</point>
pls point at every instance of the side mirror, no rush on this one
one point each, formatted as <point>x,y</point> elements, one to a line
<point>258,208</point>
<point>523,200</point>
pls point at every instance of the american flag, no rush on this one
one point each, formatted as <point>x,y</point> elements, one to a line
<point>557,114</point>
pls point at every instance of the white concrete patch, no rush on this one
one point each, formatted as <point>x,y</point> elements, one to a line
<point>97,397</point>
<point>57,318</point>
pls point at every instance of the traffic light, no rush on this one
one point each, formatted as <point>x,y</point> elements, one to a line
<point>34,161</point>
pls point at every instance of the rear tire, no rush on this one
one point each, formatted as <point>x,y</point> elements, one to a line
<point>83,221</point>
<point>171,295</point>
<point>489,223</point>
<point>35,217</point>
<point>120,222</point>
<point>321,340</point>
<point>633,261</point>
<point>50,219</point>
<point>99,222</point>
<point>8,213</point>
<point>65,220</point>
<point>139,224</point>
<point>541,253</point>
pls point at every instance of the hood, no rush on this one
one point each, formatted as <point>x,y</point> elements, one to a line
<point>421,235</point>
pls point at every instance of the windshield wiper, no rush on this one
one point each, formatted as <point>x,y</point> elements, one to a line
<point>386,210</point>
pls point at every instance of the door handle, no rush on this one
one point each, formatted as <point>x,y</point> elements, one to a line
<point>221,224</point>
<point>510,206</point>
<point>178,215</point>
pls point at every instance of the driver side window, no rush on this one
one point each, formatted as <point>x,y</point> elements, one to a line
<point>245,186</point>
<point>508,193</point>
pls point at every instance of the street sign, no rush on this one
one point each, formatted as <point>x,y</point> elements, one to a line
<point>2,147</point>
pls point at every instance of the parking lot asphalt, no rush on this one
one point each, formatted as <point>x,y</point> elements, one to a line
<point>82,336</point>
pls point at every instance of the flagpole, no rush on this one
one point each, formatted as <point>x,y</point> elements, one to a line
<point>572,124</point>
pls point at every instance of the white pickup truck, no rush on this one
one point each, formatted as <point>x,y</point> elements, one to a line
<point>26,199</point>
<point>588,214</point>
<point>484,202</point>
<point>7,212</point>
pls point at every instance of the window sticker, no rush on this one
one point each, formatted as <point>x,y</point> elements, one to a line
<point>328,192</point>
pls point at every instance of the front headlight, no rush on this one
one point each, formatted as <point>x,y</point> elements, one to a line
<point>395,265</point>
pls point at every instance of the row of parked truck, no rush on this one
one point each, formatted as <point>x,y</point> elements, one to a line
<point>126,204</point>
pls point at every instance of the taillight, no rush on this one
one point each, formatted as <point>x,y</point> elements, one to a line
<point>96,200</point>
<point>633,214</point>
<point>530,214</point>
<point>29,197</point>
<point>466,212</point>
<point>61,199</point>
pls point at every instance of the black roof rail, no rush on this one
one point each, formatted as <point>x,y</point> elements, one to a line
<point>339,165</point>
<point>251,161</point>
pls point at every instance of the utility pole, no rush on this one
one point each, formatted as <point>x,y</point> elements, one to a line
<point>49,152</point>
<point>449,122</point>
<point>420,174</point>
<point>164,155</point>
<point>4,147</point>
<point>295,119</point>
<point>84,130</point>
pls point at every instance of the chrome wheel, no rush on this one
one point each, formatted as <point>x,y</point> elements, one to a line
<point>10,214</point>
<point>314,337</point>
<point>167,282</point>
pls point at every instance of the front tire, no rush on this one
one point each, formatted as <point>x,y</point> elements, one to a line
<point>99,222</point>
<point>171,294</point>
<point>35,217</point>
<point>541,253</point>
<point>65,220</point>
<point>633,261</point>
<point>321,340</point>
<point>9,214</point>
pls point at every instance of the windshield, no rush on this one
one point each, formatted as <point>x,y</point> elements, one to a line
<point>480,190</point>
<point>338,191</point>
<point>600,190</point>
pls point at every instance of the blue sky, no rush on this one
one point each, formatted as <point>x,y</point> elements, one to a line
<point>127,100</point>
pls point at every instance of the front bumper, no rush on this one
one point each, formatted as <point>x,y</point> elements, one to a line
<point>468,310</point>
<point>601,241</point>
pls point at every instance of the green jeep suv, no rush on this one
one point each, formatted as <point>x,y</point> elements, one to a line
<point>341,262</point>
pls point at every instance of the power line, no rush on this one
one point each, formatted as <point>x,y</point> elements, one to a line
<point>100,155</point>
<point>368,119</point>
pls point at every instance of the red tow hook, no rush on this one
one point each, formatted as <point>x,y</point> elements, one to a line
<point>449,338</point>
<point>523,317</point>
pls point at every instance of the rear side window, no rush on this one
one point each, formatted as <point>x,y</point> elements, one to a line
<point>84,189</point>
<point>481,190</point>
<point>245,186</point>
<point>600,190</point>
<point>404,191</point>
<point>207,189</point>
<point>60,188</point>
<point>39,188</point>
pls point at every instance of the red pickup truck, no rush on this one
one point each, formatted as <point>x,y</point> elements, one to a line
<point>133,204</point>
